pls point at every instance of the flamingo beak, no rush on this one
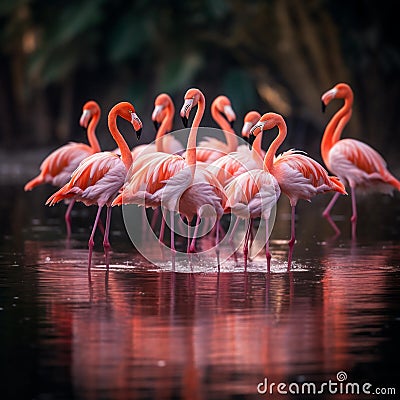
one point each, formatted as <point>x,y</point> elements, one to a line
<point>323,106</point>
<point>185,121</point>
<point>252,137</point>
<point>137,125</point>
<point>85,117</point>
<point>185,111</point>
<point>232,123</point>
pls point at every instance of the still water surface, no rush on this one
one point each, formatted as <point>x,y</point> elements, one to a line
<point>139,331</point>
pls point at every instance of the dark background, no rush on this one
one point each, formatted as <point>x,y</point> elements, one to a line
<point>271,55</point>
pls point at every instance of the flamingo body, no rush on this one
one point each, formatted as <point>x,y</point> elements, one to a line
<point>356,163</point>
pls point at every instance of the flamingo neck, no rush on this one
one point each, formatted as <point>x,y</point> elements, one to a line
<point>165,127</point>
<point>334,129</point>
<point>91,133</point>
<point>256,149</point>
<point>126,155</point>
<point>270,154</point>
<point>191,143</point>
<point>230,135</point>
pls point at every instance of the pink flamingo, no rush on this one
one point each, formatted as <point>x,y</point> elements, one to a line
<point>253,194</point>
<point>58,166</point>
<point>175,182</point>
<point>357,164</point>
<point>211,149</point>
<point>163,119</point>
<point>100,176</point>
<point>299,176</point>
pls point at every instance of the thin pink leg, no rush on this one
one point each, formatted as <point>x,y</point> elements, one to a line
<point>162,229</point>
<point>91,239</point>
<point>68,218</point>
<point>172,239</point>
<point>106,242</point>
<point>192,247</point>
<point>354,216</point>
<point>154,219</point>
<point>326,213</point>
<point>293,237</point>
<point>267,252</point>
<point>246,243</point>
<point>217,243</point>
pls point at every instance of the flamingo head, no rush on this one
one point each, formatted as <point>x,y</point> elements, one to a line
<point>127,111</point>
<point>90,109</point>
<point>250,119</point>
<point>191,98</point>
<point>339,91</point>
<point>162,103</point>
<point>224,106</point>
<point>266,122</point>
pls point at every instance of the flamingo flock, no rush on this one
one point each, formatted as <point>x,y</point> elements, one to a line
<point>212,178</point>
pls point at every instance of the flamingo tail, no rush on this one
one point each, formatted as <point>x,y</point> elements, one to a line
<point>63,194</point>
<point>33,183</point>
<point>337,185</point>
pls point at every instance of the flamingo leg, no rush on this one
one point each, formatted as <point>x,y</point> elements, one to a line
<point>354,215</point>
<point>154,219</point>
<point>91,239</point>
<point>246,243</point>
<point>217,243</point>
<point>326,213</point>
<point>106,242</point>
<point>162,229</point>
<point>192,247</point>
<point>267,252</point>
<point>172,239</point>
<point>293,236</point>
<point>68,217</point>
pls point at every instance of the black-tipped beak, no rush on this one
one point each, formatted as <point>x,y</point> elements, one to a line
<point>185,121</point>
<point>245,138</point>
<point>252,137</point>
<point>139,133</point>
<point>156,125</point>
<point>232,123</point>
<point>323,106</point>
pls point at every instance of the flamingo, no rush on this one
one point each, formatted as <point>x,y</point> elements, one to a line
<point>357,164</point>
<point>163,119</point>
<point>58,166</point>
<point>298,175</point>
<point>253,194</point>
<point>99,177</point>
<point>211,149</point>
<point>176,182</point>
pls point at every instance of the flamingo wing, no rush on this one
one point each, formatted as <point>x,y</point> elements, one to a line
<point>252,194</point>
<point>58,166</point>
<point>97,180</point>
<point>301,177</point>
<point>360,165</point>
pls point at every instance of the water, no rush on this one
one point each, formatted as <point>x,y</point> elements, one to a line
<point>139,331</point>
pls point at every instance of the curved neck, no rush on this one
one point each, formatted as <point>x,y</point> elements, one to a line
<point>126,155</point>
<point>256,149</point>
<point>91,133</point>
<point>230,135</point>
<point>191,143</point>
<point>269,156</point>
<point>334,129</point>
<point>165,127</point>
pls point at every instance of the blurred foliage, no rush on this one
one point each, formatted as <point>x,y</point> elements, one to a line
<point>270,55</point>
